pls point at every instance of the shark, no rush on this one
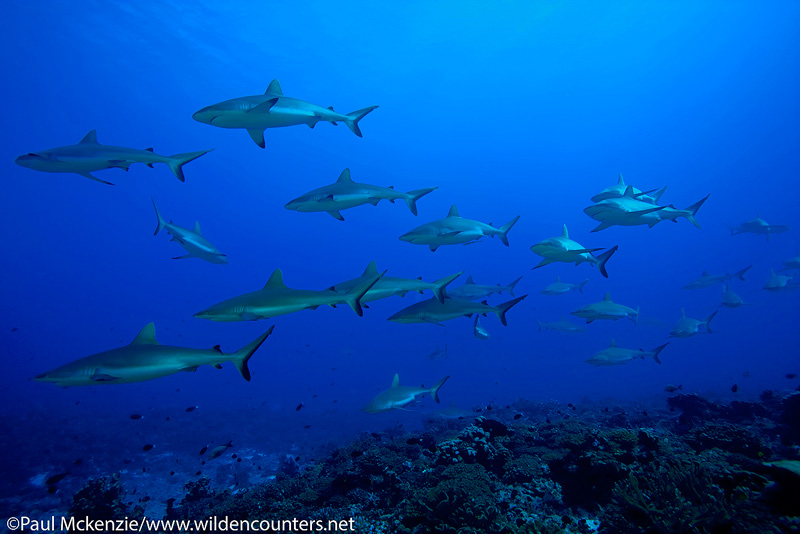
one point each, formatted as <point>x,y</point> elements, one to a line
<point>563,249</point>
<point>614,355</point>
<point>687,326</point>
<point>274,110</point>
<point>146,359</point>
<point>478,330</point>
<point>618,190</point>
<point>607,309</point>
<point>438,353</point>
<point>397,397</point>
<point>389,286</point>
<point>791,263</point>
<point>89,156</point>
<point>779,282</point>
<point>730,299</point>
<point>433,311</point>
<point>345,193</point>
<point>559,288</point>
<point>275,298</point>
<point>759,226</point>
<point>630,211</point>
<point>453,412</point>
<point>472,291</point>
<point>193,241</point>
<point>707,280</point>
<point>455,230</point>
<point>562,326</point>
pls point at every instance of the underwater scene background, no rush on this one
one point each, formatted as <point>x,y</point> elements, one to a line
<point>510,109</point>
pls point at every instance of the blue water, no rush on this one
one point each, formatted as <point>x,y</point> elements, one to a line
<point>513,108</point>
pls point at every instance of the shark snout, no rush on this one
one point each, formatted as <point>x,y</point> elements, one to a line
<point>205,115</point>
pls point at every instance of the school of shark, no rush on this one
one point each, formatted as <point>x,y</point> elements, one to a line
<point>620,204</point>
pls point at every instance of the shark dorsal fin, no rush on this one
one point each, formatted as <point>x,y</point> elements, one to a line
<point>705,273</point>
<point>620,180</point>
<point>197,227</point>
<point>344,177</point>
<point>150,149</point>
<point>217,348</point>
<point>565,232</point>
<point>469,281</point>
<point>607,298</point>
<point>90,137</point>
<point>275,280</point>
<point>613,343</point>
<point>274,88</point>
<point>629,192</point>
<point>147,336</point>
<point>453,211</point>
<point>396,380</point>
<point>371,270</point>
<point>683,313</point>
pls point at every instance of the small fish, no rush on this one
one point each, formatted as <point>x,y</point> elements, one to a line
<point>307,426</point>
<point>14,329</point>
<point>148,447</point>
<point>136,416</point>
<point>171,473</point>
<point>78,461</point>
<point>55,479</point>
<point>203,450</point>
<point>791,375</point>
<point>670,388</point>
<point>299,406</point>
<point>735,388</point>
<point>233,456</point>
<point>191,409</point>
<point>517,416</point>
<point>238,459</point>
<point>198,473</point>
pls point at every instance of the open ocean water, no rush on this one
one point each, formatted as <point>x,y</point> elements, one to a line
<point>508,109</point>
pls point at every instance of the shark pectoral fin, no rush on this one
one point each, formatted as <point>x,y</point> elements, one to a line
<point>431,321</point>
<point>89,176</point>
<point>336,215</point>
<point>184,257</point>
<point>601,226</point>
<point>258,137</point>
<point>451,234</point>
<point>249,316</point>
<point>264,107</point>
<point>103,377</point>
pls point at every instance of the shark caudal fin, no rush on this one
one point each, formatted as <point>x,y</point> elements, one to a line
<point>693,210</point>
<point>503,230</point>
<point>510,287</point>
<point>603,258</point>
<point>504,307</point>
<point>242,356</point>
<point>740,274</point>
<point>434,391</point>
<point>654,353</point>
<point>177,162</point>
<point>439,290</point>
<point>707,322</point>
<point>354,296</point>
<point>352,119</point>
<point>580,286</point>
<point>161,222</point>
<point>413,196</point>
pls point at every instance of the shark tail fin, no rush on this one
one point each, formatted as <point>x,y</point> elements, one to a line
<point>505,229</point>
<point>654,353</point>
<point>161,222</point>
<point>707,322</point>
<point>177,162</point>
<point>504,307</point>
<point>580,286</point>
<point>435,389</point>
<point>603,258</point>
<point>352,119</point>
<point>512,285</point>
<point>354,296</point>
<point>693,210</point>
<point>413,196</point>
<point>740,274</point>
<point>636,317</point>
<point>242,356</point>
<point>440,286</point>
